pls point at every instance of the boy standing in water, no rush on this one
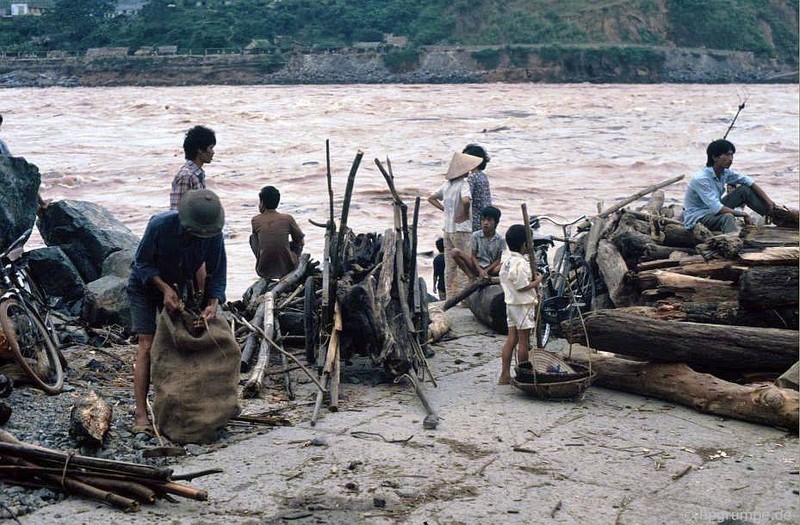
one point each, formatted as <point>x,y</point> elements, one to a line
<point>520,293</point>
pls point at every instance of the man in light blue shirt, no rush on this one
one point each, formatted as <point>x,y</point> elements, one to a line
<point>704,202</point>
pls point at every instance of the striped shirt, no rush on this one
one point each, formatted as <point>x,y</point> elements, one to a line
<point>481,196</point>
<point>189,177</point>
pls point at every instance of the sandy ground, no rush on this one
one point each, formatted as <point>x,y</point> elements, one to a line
<point>497,456</point>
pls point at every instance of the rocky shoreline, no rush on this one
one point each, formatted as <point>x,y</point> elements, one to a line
<point>434,66</point>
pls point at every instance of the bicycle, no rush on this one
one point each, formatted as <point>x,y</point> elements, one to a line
<point>568,286</point>
<point>23,310</point>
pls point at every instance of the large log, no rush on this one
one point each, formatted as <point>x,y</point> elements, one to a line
<point>488,305</point>
<point>255,383</point>
<point>690,288</point>
<point>773,256</point>
<point>631,238</point>
<point>734,348</point>
<point>756,237</point>
<point>613,269</point>
<point>769,286</point>
<point>678,236</point>
<point>722,313</point>
<point>653,252</point>
<point>678,383</point>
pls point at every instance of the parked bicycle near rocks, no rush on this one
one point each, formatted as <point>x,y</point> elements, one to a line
<point>27,333</point>
<point>568,286</point>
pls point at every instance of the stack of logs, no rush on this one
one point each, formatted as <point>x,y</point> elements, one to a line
<point>120,484</point>
<point>711,319</point>
<point>368,300</point>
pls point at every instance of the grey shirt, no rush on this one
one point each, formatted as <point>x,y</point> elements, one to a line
<point>4,149</point>
<point>487,250</point>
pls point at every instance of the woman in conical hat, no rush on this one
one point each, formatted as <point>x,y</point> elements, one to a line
<point>453,197</point>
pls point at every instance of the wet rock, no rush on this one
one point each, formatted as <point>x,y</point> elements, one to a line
<point>119,263</point>
<point>18,201</point>
<point>87,233</point>
<point>54,273</point>
<point>107,303</point>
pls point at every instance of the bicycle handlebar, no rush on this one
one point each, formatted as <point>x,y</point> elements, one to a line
<point>17,244</point>
<point>560,224</point>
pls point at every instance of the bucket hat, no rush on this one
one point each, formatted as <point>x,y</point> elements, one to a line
<point>201,213</point>
<point>461,165</point>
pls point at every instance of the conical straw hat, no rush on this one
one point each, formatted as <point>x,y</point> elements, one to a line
<point>461,165</point>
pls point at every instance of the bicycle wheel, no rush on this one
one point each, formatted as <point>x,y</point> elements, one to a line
<point>37,298</point>
<point>543,329</point>
<point>31,345</point>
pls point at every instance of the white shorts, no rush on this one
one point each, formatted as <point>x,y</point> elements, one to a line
<point>522,316</point>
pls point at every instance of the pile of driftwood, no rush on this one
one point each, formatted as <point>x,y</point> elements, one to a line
<point>120,484</point>
<point>712,319</point>
<point>367,300</point>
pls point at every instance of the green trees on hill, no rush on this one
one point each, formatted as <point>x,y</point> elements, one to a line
<point>766,27</point>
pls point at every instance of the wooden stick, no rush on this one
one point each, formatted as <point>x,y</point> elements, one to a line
<point>474,286</point>
<point>137,490</point>
<point>270,341</point>
<point>412,263</point>
<point>529,239</point>
<point>348,194</point>
<point>330,180</point>
<point>10,446</point>
<point>251,343</point>
<point>650,189</point>
<point>68,484</point>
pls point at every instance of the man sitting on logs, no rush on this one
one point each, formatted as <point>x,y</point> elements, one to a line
<point>487,248</point>
<point>704,202</point>
<point>275,255</point>
<point>175,244</point>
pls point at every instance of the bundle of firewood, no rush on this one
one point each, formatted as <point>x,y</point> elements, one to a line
<point>722,310</point>
<point>123,485</point>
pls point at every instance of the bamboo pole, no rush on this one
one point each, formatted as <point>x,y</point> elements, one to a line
<point>650,189</point>
<point>10,446</point>
<point>474,286</point>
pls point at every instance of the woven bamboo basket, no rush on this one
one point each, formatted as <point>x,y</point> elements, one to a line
<point>547,376</point>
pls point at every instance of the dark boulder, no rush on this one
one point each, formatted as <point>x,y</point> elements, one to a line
<point>86,232</point>
<point>54,273</point>
<point>18,201</point>
<point>119,263</point>
<point>107,303</point>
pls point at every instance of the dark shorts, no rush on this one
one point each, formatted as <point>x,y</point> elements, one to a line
<point>145,305</point>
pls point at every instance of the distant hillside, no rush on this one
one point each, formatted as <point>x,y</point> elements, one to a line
<point>441,40</point>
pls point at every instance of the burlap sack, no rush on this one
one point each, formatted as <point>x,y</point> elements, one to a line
<point>195,377</point>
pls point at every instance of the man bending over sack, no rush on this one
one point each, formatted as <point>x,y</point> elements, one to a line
<point>175,244</point>
<point>704,202</point>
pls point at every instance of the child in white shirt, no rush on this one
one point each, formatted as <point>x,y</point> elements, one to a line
<point>520,298</point>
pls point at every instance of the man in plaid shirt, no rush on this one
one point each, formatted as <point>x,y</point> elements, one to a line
<point>198,148</point>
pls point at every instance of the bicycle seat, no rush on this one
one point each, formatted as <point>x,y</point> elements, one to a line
<point>542,240</point>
